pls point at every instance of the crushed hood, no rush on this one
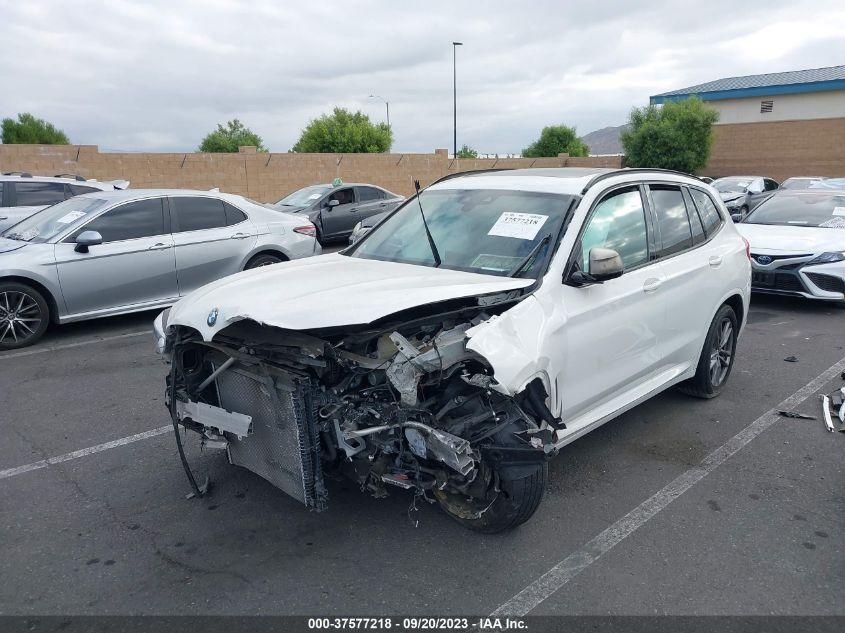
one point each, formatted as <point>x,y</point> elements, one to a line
<point>803,240</point>
<point>327,291</point>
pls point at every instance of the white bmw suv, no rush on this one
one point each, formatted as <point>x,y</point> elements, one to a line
<point>486,323</point>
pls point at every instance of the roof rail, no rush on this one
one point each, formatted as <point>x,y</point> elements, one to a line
<point>22,174</point>
<point>76,177</point>
<point>472,172</point>
<point>628,170</point>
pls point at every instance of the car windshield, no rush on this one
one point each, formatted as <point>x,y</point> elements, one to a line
<point>303,197</point>
<point>477,230</point>
<point>49,222</point>
<point>818,208</point>
<point>726,185</point>
<point>800,183</point>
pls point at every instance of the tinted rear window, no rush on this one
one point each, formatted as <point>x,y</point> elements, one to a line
<point>672,220</point>
<point>710,216</point>
<point>195,214</point>
<point>34,194</point>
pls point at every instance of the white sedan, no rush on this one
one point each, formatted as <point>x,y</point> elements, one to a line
<point>797,243</point>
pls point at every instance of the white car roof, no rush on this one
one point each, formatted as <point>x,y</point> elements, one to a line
<point>564,180</point>
<point>69,180</point>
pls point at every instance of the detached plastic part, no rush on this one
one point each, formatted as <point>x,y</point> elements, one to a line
<point>828,422</point>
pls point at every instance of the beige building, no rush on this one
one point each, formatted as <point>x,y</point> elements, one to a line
<point>777,125</point>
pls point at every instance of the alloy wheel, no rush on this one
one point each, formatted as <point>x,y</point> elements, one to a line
<point>20,316</point>
<point>721,353</point>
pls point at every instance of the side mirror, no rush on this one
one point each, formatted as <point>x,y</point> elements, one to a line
<point>86,239</point>
<point>604,264</point>
<point>332,203</point>
<point>736,217</point>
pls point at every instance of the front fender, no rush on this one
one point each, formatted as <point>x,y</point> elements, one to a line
<point>511,344</point>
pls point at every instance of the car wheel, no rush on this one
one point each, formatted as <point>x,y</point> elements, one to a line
<point>262,260</point>
<point>512,494</point>
<point>24,315</point>
<point>717,357</point>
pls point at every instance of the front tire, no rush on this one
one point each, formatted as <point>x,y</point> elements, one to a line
<point>717,356</point>
<point>24,315</point>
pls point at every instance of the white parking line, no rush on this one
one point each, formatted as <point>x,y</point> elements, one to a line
<point>567,569</point>
<point>44,350</point>
<point>99,448</point>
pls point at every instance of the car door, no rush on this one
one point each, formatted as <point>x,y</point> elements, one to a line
<point>338,220</point>
<point>212,239</point>
<point>609,342</point>
<point>690,262</point>
<point>134,265</point>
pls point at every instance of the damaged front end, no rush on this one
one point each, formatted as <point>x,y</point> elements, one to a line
<point>402,404</point>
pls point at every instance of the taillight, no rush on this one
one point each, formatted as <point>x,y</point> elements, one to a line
<point>747,249</point>
<point>307,229</point>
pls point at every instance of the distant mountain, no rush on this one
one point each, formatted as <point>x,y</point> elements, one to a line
<point>605,140</point>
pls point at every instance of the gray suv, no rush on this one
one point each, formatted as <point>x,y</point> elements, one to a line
<point>336,209</point>
<point>22,194</point>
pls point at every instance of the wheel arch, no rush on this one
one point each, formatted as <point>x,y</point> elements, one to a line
<point>52,302</point>
<point>265,250</point>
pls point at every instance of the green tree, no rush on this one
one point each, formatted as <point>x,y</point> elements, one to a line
<point>467,152</point>
<point>554,140</point>
<point>28,129</point>
<point>343,131</point>
<point>230,138</point>
<point>678,135</point>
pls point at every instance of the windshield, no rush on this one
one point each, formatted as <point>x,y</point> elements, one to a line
<point>800,183</point>
<point>725,185</point>
<point>49,222</point>
<point>488,231</point>
<point>822,209</point>
<point>303,197</point>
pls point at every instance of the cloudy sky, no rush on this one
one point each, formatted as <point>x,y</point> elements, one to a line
<point>159,75</point>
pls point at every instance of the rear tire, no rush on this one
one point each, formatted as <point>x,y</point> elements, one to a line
<point>717,357</point>
<point>263,259</point>
<point>24,315</point>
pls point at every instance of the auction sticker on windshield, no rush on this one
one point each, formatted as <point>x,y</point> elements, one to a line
<point>73,216</point>
<point>523,226</point>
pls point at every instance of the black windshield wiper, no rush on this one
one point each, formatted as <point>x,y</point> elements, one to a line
<point>431,243</point>
<point>530,255</point>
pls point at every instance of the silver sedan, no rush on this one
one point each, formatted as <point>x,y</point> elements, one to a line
<point>109,253</point>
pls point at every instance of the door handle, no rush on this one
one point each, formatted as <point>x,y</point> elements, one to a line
<point>651,284</point>
<point>239,236</point>
<point>715,261</point>
<point>158,247</point>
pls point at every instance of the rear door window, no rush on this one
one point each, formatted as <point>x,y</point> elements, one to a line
<point>368,194</point>
<point>35,194</point>
<point>710,216</point>
<point>672,221</point>
<point>197,214</point>
<point>698,235</point>
<point>130,221</point>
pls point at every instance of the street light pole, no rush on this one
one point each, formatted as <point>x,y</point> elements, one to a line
<point>455,98</point>
<point>386,105</point>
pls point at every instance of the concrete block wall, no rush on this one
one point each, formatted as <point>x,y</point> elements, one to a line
<point>264,177</point>
<point>778,149</point>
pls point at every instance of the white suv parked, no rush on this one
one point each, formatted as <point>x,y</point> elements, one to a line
<point>486,323</point>
<point>22,194</point>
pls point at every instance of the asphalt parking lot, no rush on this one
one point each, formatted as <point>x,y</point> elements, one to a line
<point>641,516</point>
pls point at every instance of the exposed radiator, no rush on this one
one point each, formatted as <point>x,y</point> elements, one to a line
<point>283,446</point>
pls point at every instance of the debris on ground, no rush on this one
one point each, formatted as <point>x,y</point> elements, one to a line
<point>791,359</point>
<point>795,414</point>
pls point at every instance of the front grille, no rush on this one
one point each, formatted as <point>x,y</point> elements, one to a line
<point>827,282</point>
<point>283,447</point>
<point>777,280</point>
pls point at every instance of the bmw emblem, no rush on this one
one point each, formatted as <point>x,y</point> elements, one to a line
<point>212,317</point>
<point>765,260</point>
